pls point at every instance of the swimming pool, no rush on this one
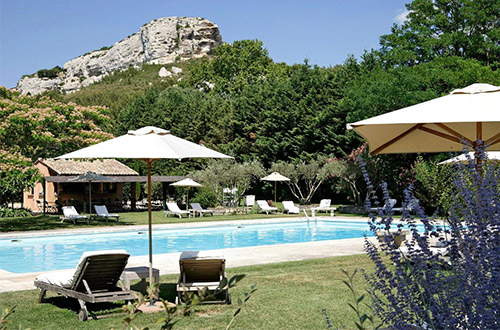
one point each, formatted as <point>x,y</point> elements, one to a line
<point>35,254</point>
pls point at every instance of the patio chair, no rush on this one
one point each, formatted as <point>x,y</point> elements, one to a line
<point>289,207</point>
<point>175,210</point>
<point>198,209</point>
<point>199,270</point>
<point>324,205</point>
<point>102,212</point>
<point>264,207</point>
<point>70,213</point>
<point>94,280</point>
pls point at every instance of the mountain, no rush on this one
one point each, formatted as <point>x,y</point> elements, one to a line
<point>161,41</point>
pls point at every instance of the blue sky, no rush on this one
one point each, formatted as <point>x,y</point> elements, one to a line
<point>40,34</point>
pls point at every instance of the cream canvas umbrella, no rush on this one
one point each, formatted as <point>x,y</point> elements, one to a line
<point>187,182</point>
<point>90,177</point>
<point>470,114</point>
<point>275,176</point>
<point>148,144</point>
<point>464,158</point>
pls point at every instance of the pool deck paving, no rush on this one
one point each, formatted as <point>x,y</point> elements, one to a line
<point>168,263</point>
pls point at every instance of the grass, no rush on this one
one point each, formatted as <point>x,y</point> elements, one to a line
<point>51,222</point>
<point>290,295</point>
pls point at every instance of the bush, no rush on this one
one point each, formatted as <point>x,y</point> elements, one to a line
<point>49,73</point>
<point>11,213</point>
<point>205,196</point>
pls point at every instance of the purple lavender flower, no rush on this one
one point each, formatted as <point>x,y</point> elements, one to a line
<point>456,287</point>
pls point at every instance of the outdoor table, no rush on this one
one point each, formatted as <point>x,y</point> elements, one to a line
<point>139,273</point>
<point>331,209</point>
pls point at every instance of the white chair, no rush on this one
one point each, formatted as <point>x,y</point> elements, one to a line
<point>102,212</point>
<point>249,200</point>
<point>290,208</point>
<point>324,205</point>
<point>263,206</point>
<point>175,210</point>
<point>198,209</point>
<point>70,213</point>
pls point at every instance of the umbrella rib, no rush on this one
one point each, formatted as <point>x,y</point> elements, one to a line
<point>493,140</point>
<point>396,139</point>
<point>440,134</point>
<point>453,132</point>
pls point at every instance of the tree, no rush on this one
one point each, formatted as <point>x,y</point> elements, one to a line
<point>306,178</point>
<point>441,28</point>
<point>16,175</point>
<point>220,174</point>
<point>39,127</point>
<point>232,67</point>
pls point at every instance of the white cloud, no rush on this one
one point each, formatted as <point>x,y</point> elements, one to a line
<point>401,16</point>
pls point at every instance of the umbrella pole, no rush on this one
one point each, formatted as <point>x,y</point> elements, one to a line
<point>150,227</point>
<point>275,193</point>
<point>187,198</point>
<point>90,197</point>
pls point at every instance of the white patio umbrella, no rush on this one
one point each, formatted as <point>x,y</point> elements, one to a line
<point>463,158</point>
<point>148,144</point>
<point>90,177</point>
<point>275,176</point>
<point>470,114</point>
<point>187,182</point>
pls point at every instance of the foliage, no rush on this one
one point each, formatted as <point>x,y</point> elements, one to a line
<point>233,67</point>
<point>3,317</point>
<point>219,174</point>
<point>39,127</point>
<point>434,186</point>
<point>117,90</point>
<point>456,289</point>
<point>173,314</point>
<point>16,174</point>
<point>306,177</point>
<point>205,197</point>
<point>10,213</point>
<point>465,28</point>
<point>49,73</point>
<point>357,306</point>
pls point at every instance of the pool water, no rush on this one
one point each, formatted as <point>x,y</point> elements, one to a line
<point>45,253</point>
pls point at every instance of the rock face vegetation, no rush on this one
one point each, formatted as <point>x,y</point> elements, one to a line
<point>160,41</point>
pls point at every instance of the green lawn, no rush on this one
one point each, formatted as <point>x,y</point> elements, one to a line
<point>41,222</point>
<point>290,295</point>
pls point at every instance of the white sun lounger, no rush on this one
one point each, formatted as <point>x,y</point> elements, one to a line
<point>289,207</point>
<point>70,213</point>
<point>324,205</point>
<point>198,209</point>
<point>94,280</point>
<point>102,212</point>
<point>175,210</point>
<point>264,207</point>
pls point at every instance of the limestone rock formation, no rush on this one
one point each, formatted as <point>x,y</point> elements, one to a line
<point>161,41</point>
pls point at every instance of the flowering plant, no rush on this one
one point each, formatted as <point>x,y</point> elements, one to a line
<point>456,286</point>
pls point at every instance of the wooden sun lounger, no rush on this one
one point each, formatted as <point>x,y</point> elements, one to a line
<point>94,280</point>
<point>198,271</point>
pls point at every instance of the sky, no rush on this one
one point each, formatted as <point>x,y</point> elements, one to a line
<point>40,34</point>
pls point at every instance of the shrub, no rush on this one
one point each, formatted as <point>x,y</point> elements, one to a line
<point>421,287</point>
<point>11,213</point>
<point>49,73</point>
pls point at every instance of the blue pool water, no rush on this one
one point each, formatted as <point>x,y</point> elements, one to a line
<point>60,252</point>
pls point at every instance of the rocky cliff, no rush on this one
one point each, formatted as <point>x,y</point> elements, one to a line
<point>161,41</point>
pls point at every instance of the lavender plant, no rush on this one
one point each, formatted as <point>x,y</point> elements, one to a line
<point>457,287</point>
